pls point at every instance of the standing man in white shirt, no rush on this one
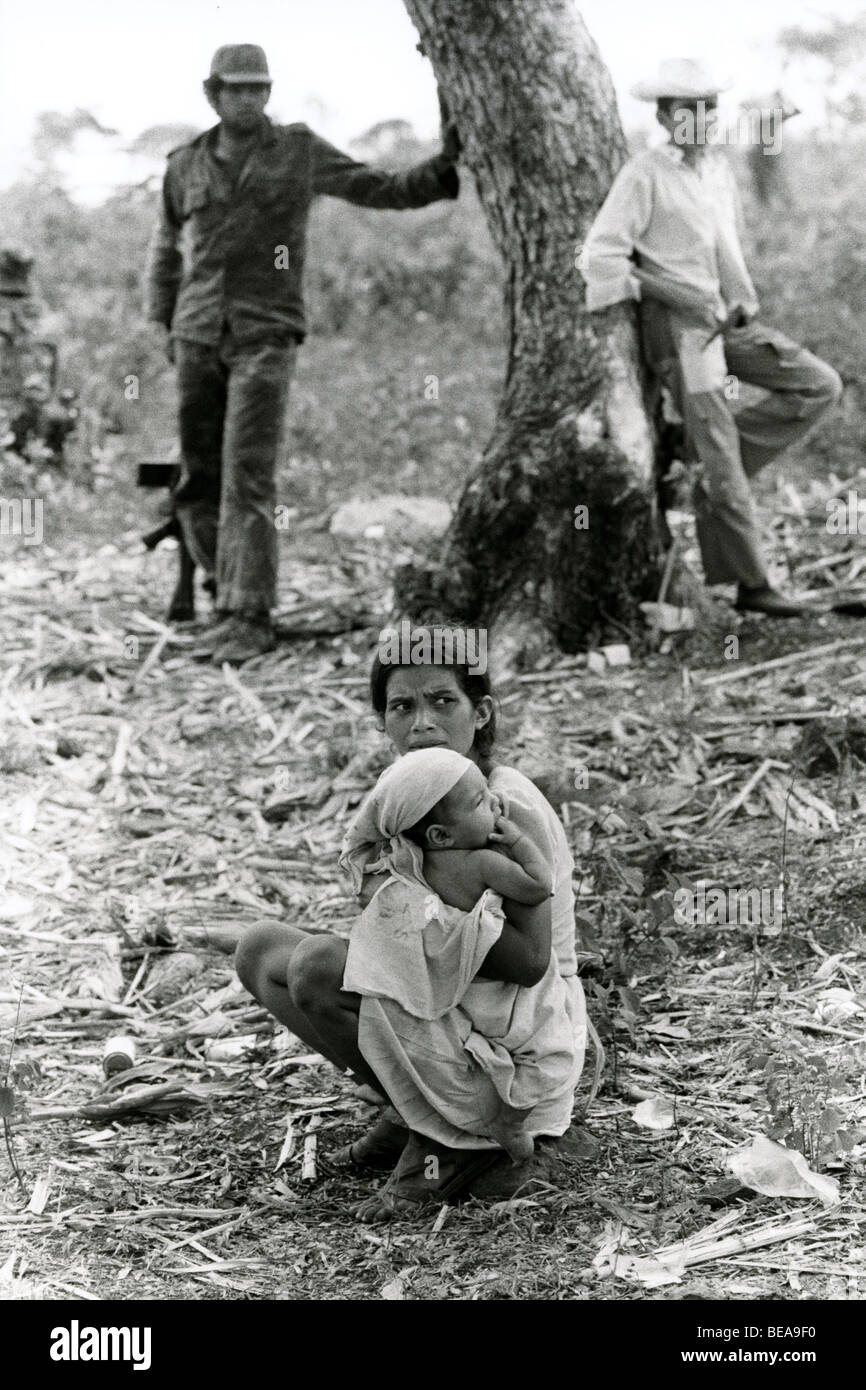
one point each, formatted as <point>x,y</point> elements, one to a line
<point>667,236</point>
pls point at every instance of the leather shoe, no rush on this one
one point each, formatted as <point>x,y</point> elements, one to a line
<point>245,639</point>
<point>208,640</point>
<point>765,599</point>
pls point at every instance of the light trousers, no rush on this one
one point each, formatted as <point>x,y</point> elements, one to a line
<point>731,448</point>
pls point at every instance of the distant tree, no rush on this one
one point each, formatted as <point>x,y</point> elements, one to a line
<point>840,47</point>
<point>391,143</point>
<point>158,140</point>
<point>56,133</point>
<point>766,115</point>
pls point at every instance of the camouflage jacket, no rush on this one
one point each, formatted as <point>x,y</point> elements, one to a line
<point>225,252</point>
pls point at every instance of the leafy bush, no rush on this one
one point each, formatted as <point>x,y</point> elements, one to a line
<point>808,258</point>
<point>801,1087</point>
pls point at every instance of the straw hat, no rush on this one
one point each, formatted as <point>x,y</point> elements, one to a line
<point>681,77</point>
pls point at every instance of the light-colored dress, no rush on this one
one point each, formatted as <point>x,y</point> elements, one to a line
<point>450,1048</point>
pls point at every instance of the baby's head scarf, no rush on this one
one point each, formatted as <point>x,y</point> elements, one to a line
<point>405,792</point>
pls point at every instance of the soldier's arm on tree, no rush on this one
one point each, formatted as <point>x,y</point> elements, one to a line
<point>522,953</point>
<point>164,261</point>
<point>607,258</point>
<point>340,176</point>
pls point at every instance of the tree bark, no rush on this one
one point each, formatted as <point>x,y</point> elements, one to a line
<point>537,115</point>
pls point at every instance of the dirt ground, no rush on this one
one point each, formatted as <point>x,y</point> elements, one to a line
<point>153,807</point>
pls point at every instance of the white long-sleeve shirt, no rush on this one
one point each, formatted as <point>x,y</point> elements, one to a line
<point>675,221</point>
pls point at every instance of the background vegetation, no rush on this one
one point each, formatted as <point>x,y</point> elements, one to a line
<point>141,789</point>
<point>396,297</point>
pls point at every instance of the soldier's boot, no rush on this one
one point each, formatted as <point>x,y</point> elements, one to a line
<point>248,637</point>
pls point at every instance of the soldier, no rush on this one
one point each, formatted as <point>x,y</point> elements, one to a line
<point>38,418</point>
<point>236,200</point>
<point>19,318</point>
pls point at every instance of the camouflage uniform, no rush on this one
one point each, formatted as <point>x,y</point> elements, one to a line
<point>19,322</point>
<point>225,276</point>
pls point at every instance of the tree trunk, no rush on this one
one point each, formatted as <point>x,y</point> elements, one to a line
<point>537,116</point>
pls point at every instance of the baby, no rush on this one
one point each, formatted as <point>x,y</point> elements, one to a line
<point>459,864</point>
<point>469,847</point>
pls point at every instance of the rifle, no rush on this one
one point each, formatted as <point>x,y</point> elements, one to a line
<point>672,293</point>
<point>182,606</point>
<point>685,300</point>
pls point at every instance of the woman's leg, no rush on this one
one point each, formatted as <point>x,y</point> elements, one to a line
<point>265,963</point>
<point>298,977</point>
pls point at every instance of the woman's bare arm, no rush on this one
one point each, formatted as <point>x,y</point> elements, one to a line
<point>522,953</point>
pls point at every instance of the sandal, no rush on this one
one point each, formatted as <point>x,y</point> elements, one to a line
<point>378,1149</point>
<point>504,1180</point>
<point>426,1172</point>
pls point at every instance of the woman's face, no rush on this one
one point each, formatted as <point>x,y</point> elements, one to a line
<point>426,708</point>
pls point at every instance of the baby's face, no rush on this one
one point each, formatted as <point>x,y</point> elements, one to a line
<point>472,811</point>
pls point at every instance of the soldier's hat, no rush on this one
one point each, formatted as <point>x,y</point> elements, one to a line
<point>15,267</point>
<point>240,62</point>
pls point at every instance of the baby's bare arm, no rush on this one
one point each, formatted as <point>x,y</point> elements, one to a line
<point>459,877</point>
<point>454,876</point>
<point>526,875</point>
<point>511,879</point>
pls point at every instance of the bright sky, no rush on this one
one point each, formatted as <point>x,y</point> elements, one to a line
<point>341,65</point>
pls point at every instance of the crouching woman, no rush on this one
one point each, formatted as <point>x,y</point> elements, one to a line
<point>298,976</point>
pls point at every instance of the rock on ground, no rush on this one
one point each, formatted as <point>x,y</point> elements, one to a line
<point>407,519</point>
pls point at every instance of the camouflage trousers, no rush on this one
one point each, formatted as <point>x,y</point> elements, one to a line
<point>731,448</point>
<point>232,411</point>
